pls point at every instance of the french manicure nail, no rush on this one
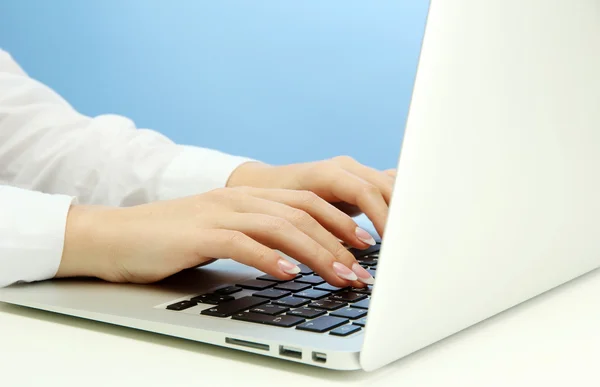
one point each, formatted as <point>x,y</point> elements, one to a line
<point>365,236</point>
<point>343,272</point>
<point>362,274</point>
<point>288,267</point>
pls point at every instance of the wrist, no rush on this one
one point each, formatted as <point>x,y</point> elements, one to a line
<point>249,174</point>
<point>82,250</point>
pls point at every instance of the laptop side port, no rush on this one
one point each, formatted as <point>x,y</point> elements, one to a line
<point>319,357</point>
<point>244,343</point>
<point>296,353</point>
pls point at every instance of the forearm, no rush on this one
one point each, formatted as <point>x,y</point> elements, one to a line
<point>46,145</point>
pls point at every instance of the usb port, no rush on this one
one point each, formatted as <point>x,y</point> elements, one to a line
<point>296,353</point>
<point>319,357</point>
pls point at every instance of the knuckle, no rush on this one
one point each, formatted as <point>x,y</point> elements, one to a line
<point>369,190</point>
<point>307,197</point>
<point>262,255</point>
<point>343,253</point>
<point>299,217</point>
<point>274,223</point>
<point>344,159</point>
<point>235,237</point>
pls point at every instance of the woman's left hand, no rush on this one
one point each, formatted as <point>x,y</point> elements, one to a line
<point>342,181</point>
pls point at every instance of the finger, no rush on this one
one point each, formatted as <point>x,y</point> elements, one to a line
<point>354,190</point>
<point>331,218</point>
<point>391,172</point>
<point>236,245</point>
<point>383,181</point>
<point>280,234</point>
<point>304,222</point>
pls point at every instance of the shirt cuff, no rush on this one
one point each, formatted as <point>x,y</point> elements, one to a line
<point>32,234</point>
<point>197,170</point>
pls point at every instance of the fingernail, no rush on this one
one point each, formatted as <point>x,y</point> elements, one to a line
<point>343,272</point>
<point>362,274</point>
<point>288,267</point>
<point>365,236</point>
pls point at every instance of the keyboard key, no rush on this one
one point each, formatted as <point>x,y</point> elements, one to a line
<point>372,271</point>
<point>280,321</point>
<point>322,324</point>
<point>367,261</point>
<point>181,305</point>
<point>305,270</point>
<point>311,279</point>
<point>361,253</point>
<point>256,284</point>
<point>291,301</point>
<point>211,298</point>
<point>348,296</point>
<point>270,278</point>
<point>228,308</point>
<point>360,322</point>
<point>327,287</point>
<point>307,312</point>
<point>270,309</point>
<point>328,304</point>
<point>312,294</point>
<point>366,290</point>
<point>351,313</point>
<point>272,294</point>
<point>228,290</point>
<point>345,330</point>
<point>364,304</point>
<point>293,286</point>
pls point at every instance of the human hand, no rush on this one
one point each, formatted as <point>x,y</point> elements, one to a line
<point>149,242</point>
<point>349,185</point>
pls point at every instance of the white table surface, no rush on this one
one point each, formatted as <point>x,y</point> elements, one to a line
<point>551,340</point>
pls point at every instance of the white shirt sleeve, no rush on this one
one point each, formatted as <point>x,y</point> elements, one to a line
<point>48,147</point>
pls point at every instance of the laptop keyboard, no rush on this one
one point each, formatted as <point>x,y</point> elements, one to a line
<point>305,303</point>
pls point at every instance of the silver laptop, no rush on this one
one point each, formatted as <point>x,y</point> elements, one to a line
<point>497,200</point>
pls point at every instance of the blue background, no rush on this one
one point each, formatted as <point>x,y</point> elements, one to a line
<point>281,81</point>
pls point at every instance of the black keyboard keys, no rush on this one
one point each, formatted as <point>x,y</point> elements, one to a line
<point>256,284</point>
<point>360,322</point>
<point>368,261</point>
<point>351,313</point>
<point>305,270</point>
<point>285,320</point>
<point>312,294</point>
<point>272,294</point>
<point>345,330</point>
<point>228,290</point>
<point>291,301</point>
<point>364,304</point>
<point>328,304</point>
<point>348,296</point>
<point>228,308</point>
<point>268,277</point>
<point>322,324</point>
<point>181,305</point>
<point>361,253</point>
<point>365,290</point>
<point>270,309</point>
<point>307,312</point>
<point>311,279</point>
<point>293,286</point>
<point>327,287</point>
<point>214,299</point>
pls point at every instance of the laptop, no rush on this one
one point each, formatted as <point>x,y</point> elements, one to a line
<point>497,200</point>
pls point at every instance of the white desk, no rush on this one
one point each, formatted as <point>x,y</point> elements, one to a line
<point>552,340</point>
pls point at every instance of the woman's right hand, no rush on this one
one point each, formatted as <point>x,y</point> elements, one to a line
<point>149,242</point>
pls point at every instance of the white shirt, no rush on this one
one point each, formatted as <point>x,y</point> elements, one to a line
<point>51,156</point>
